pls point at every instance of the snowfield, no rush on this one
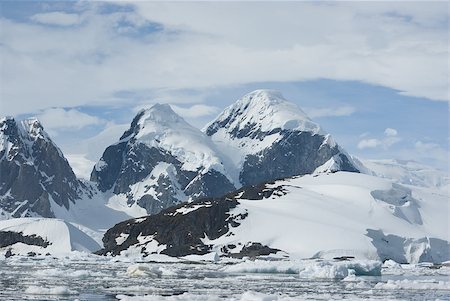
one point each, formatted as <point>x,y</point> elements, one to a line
<point>61,236</point>
<point>345,214</point>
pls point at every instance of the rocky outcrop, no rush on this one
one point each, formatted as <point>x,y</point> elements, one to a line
<point>295,153</point>
<point>33,171</point>
<point>8,238</point>
<point>186,229</point>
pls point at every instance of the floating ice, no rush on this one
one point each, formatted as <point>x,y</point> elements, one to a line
<point>314,269</point>
<point>57,290</point>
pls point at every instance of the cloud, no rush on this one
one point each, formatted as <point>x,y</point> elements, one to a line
<point>432,151</point>
<point>390,138</point>
<point>328,112</point>
<point>369,143</point>
<point>195,111</point>
<point>162,45</point>
<point>57,18</point>
<point>67,119</point>
<point>390,132</point>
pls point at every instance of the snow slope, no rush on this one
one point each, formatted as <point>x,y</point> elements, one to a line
<point>332,213</point>
<point>62,236</point>
<point>323,216</point>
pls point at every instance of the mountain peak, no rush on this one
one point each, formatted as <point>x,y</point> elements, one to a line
<point>152,121</point>
<point>33,128</point>
<point>159,113</point>
<point>259,112</point>
<point>264,95</point>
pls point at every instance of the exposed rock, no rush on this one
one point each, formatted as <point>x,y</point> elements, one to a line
<point>185,229</point>
<point>33,171</point>
<point>254,250</point>
<point>180,229</point>
<point>8,238</point>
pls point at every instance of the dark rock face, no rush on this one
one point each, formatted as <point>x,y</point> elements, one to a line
<point>33,170</point>
<point>181,233</point>
<point>8,238</point>
<point>296,153</point>
<point>179,230</point>
<point>254,250</point>
<point>132,161</point>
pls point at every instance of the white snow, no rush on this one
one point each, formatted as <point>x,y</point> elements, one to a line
<point>121,239</point>
<point>311,269</point>
<point>331,213</point>
<point>62,236</point>
<point>270,110</point>
<point>161,127</point>
<point>148,185</point>
<point>95,214</point>
<point>186,209</point>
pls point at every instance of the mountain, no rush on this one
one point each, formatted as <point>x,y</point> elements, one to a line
<point>37,181</point>
<point>334,215</point>
<point>33,171</point>
<point>161,160</point>
<point>269,138</point>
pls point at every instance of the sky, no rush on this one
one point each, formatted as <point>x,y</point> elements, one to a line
<point>373,74</point>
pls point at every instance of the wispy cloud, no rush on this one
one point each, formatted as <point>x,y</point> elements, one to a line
<point>55,119</point>
<point>328,112</point>
<point>390,138</point>
<point>195,111</point>
<point>57,18</point>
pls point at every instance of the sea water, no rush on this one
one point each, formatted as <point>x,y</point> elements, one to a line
<point>108,278</point>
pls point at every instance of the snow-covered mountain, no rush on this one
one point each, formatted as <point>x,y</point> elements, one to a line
<point>268,138</point>
<point>160,161</point>
<point>331,215</point>
<point>33,171</point>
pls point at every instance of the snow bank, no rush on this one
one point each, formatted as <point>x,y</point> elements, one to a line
<point>313,269</point>
<point>62,237</point>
